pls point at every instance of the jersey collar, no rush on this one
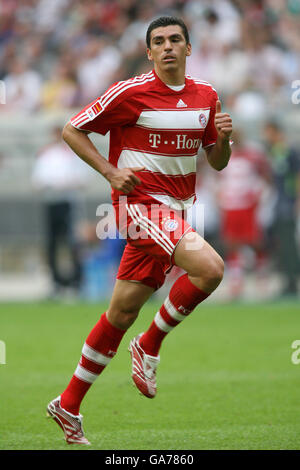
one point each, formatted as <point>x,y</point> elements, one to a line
<point>166,88</point>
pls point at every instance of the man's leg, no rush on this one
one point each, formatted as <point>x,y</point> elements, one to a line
<point>102,343</point>
<point>204,272</point>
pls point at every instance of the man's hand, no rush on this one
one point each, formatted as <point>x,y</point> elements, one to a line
<point>223,122</point>
<point>218,155</point>
<point>124,179</point>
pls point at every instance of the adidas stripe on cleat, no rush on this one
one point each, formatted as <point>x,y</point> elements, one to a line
<point>143,368</point>
<point>69,423</point>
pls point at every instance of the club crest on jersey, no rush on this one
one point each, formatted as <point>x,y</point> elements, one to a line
<point>202,120</point>
<point>170,225</point>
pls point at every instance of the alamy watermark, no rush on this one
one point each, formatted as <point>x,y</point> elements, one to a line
<point>296,354</point>
<point>296,93</point>
<point>2,352</point>
<point>2,92</point>
<point>156,221</point>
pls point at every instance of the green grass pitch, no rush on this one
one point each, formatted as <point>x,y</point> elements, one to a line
<point>226,380</point>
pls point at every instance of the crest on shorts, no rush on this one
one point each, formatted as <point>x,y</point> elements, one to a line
<point>202,120</point>
<point>170,225</point>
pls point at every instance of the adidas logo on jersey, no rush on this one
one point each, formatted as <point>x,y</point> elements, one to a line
<point>181,104</point>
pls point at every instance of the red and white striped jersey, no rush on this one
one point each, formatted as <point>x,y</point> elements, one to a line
<point>156,127</point>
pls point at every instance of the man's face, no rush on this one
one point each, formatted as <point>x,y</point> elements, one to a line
<point>168,48</point>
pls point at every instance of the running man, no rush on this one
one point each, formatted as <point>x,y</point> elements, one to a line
<point>157,123</point>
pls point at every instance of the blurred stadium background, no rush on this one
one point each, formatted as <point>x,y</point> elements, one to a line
<point>58,55</point>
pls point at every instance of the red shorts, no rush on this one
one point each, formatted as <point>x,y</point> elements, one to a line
<point>241,226</point>
<point>153,231</point>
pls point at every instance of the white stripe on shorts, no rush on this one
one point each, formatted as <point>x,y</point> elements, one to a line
<point>137,220</point>
<point>154,227</point>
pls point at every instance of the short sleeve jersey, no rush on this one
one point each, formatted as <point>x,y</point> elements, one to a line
<point>158,128</point>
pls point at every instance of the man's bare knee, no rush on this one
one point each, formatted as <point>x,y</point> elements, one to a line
<point>208,277</point>
<point>122,319</point>
<point>204,266</point>
<point>122,316</point>
<point>127,300</point>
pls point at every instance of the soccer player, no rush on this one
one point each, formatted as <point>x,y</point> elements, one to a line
<point>157,122</point>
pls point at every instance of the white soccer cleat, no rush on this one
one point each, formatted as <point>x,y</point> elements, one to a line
<point>69,423</point>
<point>143,368</point>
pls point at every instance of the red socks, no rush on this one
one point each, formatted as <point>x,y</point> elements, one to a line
<point>100,347</point>
<point>182,299</point>
<point>103,341</point>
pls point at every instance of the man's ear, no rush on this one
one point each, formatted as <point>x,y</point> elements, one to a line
<point>189,50</point>
<point>149,54</point>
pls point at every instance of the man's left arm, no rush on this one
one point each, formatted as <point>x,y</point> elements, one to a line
<point>218,155</point>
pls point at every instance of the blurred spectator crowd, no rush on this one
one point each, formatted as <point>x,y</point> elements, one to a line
<point>60,54</point>
<point>57,55</point>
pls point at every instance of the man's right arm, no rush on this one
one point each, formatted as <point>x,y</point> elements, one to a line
<point>121,179</point>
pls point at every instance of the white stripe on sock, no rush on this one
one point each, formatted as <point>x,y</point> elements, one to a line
<point>83,374</point>
<point>161,324</point>
<point>172,310</point>
<point>94,355</point>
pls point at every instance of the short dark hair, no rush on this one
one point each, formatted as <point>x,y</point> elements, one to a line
<point>164,21</point>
